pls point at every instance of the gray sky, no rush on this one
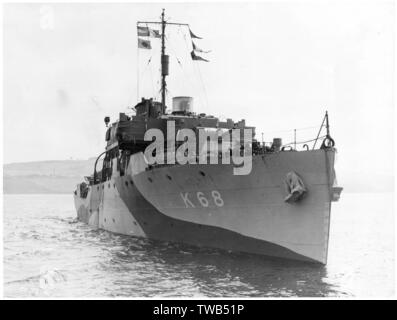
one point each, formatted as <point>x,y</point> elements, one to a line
<point>278,65</point>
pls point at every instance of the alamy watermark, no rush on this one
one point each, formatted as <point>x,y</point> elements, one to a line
<point>214,146</point>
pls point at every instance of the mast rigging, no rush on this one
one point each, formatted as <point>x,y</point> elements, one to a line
<point>164,57</point>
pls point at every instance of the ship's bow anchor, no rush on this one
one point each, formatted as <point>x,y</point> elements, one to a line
<point>295,187</point>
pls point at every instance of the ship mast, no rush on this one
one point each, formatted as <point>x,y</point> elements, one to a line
<point>164,57</point>
<point>164,63</point>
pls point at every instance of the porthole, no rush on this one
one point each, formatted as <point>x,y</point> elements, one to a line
<point>150,179</point>
<point>131,182</point>
<point>169,177</point>
<point>202,173</point>
<point>126,183</point>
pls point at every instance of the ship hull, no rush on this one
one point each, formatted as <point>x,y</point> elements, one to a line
<point>146,221</point>
<point>208,206</point>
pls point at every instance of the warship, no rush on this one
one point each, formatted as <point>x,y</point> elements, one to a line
<point>280,207</point>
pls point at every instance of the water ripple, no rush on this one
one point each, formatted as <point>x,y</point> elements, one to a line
<point>48,253</point>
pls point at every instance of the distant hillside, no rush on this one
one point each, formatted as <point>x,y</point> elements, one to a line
<point>39,184</point>
<point>45,176</point>
<point>62,177</point>
<point>64,168</point>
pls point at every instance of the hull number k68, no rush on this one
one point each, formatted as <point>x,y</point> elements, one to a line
<point>215,197</point>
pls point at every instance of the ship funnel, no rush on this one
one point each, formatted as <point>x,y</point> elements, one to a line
<point>277,143</point>
<point>182,104</point>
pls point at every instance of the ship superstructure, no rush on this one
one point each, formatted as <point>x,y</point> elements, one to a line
<point>281,208</point>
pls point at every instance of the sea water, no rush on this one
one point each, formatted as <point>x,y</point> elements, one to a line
<point>48,253</point>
